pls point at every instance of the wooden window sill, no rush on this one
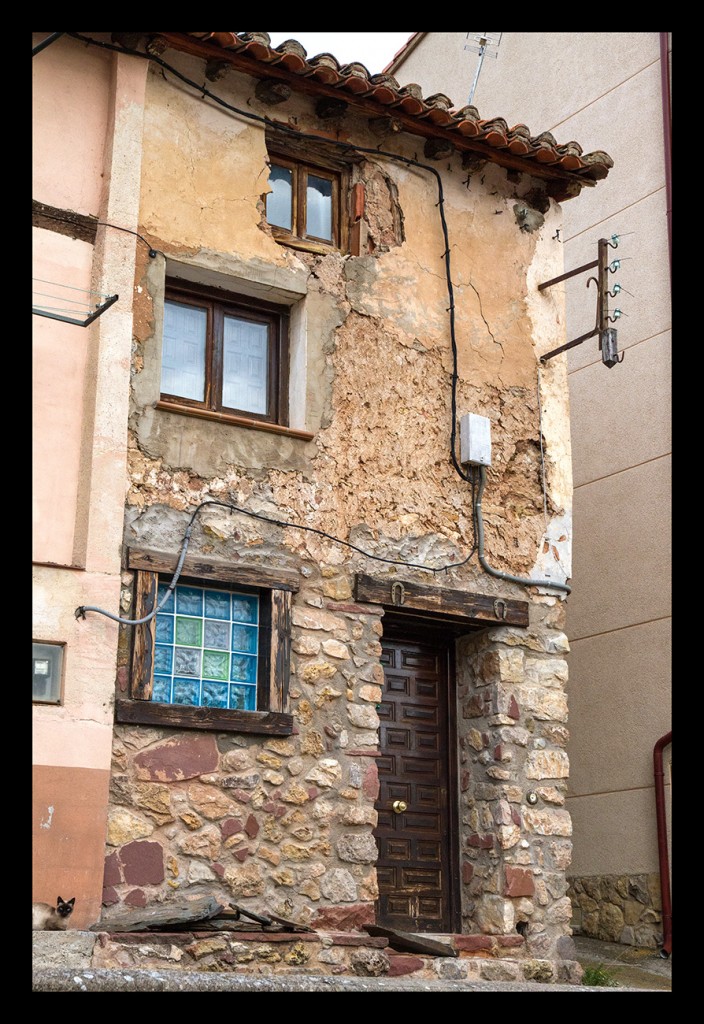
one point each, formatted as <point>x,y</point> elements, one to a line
<point>235,421</point>
<point>181,716</point>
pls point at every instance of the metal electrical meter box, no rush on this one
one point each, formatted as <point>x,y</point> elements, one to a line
<point>47,663</point>
<point>475,440</point>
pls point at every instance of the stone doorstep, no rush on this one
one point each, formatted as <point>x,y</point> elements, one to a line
<point>484,957</point>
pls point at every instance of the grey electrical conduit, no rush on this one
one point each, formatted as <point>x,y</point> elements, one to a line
<point>480,547</point>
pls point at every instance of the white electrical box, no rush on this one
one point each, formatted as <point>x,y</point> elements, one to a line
<point>475,440</point>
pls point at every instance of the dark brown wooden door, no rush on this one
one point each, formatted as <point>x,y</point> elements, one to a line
<point>414,865</point>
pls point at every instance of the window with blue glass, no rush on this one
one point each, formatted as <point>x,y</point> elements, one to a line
<point>217,653</point>
<point>206,652</point>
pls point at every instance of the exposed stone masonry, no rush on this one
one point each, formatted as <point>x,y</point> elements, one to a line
<point>513,769</point>
<point>618,908</point>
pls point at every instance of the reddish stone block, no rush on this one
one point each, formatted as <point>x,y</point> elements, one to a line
<point>516,817</point>
<point>136,898</point>
<point>370,782</point>
<point>400,965</point>
<point>519,882</point>
<point>110,896</point>
<point>219,870</point>
<point>111,871</point>
<point>251,827</point>
<point>483,842</point>
<point>241,796</point>
<point>242,855</point>
<point>142,863</point>
<point>230,827</point>
<point>467,872</point>
<point>123,678</point>
<point>472,942</point>
<point>513,710</point>
<point>464,781</point>
<point>351,918</point>
<point>182,757</point>
<point>510,941</point>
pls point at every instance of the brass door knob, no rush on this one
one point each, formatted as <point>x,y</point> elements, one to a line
<point>399,806</point>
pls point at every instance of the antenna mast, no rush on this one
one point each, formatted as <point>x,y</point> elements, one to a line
<point>483,40</point>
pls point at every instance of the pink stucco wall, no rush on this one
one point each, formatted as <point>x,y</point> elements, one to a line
<point>70,104</point>
<point>58,370</point>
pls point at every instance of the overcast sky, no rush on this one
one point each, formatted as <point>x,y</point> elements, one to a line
<point>373,49</point>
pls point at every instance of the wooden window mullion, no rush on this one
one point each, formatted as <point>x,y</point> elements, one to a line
<point>144,636</point>
<point>216,355</point>
<point>280,650</point>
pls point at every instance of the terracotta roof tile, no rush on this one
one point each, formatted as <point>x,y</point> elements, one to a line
<point>540,154</point>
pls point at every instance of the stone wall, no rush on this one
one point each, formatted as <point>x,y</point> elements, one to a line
<point>618,908</point>
<point>513,776</point>
<point>277,823</point>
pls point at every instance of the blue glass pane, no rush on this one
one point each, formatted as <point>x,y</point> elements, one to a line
<point>189,601</point>
<point>186,661</point>
<point>186,691</point>
<point>163,589</point>
<point>217,604</point>
<point>278,201</point>
<point>244,669</point>
<point>244,639</point>
<point>245,609</point>
<point>161,691</point>
<point>165,629</point>
<point>243,698</point>
<point>215,695</point>
<point>216,634</point>
<point>189,631</point>
<point>162,659</point>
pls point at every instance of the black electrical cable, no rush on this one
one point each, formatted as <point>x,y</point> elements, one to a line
<point>104,224</point>
<point>80,612</point>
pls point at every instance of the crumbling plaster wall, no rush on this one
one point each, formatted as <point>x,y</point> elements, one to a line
<point>289,821</point>
<point>378,350</point>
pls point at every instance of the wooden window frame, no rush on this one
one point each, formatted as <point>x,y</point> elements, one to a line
<point>217,305</point>
<point>298,237</point>
<point>275,591</point>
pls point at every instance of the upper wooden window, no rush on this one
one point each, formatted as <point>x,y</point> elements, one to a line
<point>305,208</point>
<point>224,354</point>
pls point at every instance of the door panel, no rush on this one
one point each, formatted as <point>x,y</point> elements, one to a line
<point>414,865</point>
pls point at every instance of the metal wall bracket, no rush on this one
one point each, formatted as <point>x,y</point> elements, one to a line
<point>607,335</point>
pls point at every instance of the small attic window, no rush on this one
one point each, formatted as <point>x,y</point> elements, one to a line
<point>304,207</point>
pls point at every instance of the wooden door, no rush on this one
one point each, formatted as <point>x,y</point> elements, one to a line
<point>415,826</point>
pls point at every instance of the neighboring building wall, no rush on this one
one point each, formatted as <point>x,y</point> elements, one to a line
<point>86,120</point>
<point>286,824</point>
<point>605,90</point>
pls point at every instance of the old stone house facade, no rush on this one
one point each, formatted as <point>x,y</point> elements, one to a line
<point>340,687</point>
<point>619,615</point>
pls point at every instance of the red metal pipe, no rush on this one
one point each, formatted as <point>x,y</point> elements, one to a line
<point>667,133</point>
<point>663,857</point>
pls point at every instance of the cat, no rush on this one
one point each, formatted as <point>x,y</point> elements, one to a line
<point>52,919</point>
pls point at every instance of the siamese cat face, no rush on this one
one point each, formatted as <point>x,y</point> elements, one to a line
<point>64,907</point>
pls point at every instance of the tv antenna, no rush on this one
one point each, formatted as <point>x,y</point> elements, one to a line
<point>482,41</point>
